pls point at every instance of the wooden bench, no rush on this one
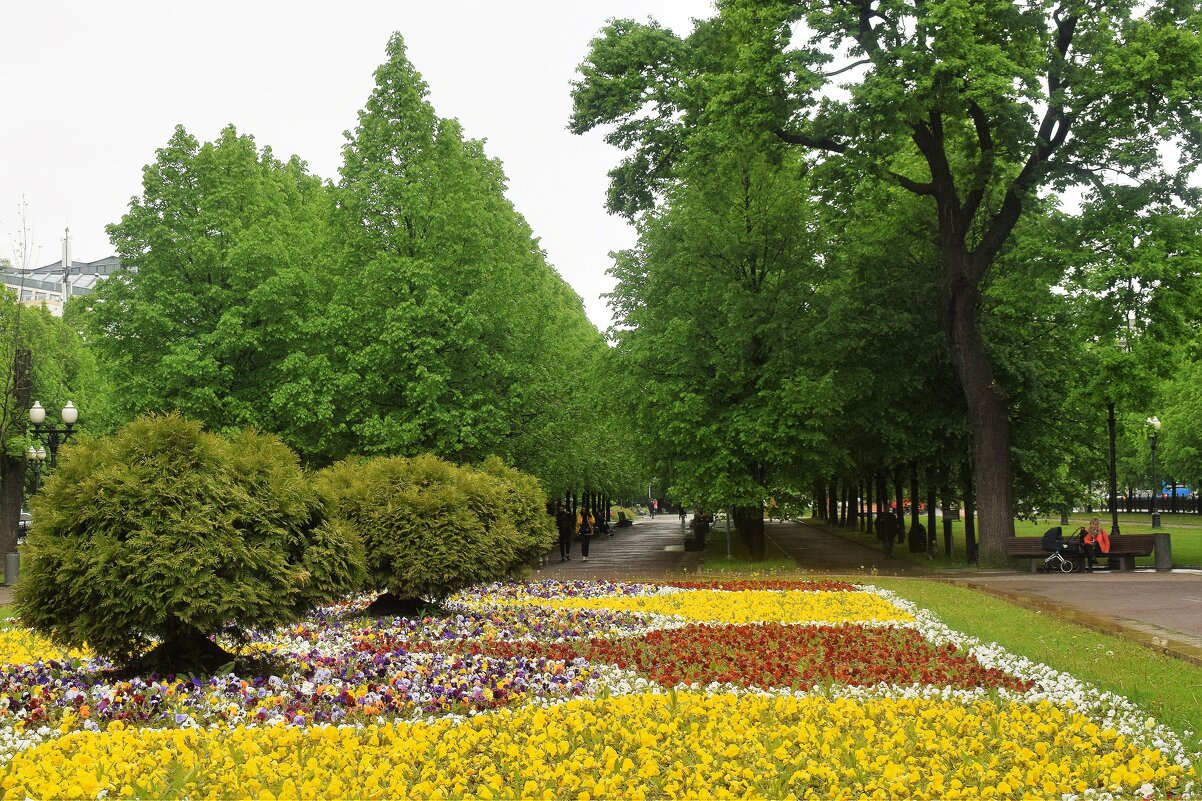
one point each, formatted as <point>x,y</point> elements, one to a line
<point>1123,550</point>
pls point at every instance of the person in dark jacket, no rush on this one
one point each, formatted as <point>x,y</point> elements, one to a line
<point>584,525</point>
<point>563,524</point>
<point>886,530</point>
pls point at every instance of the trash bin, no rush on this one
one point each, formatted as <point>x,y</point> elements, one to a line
<point>1162,552</point>
<point>12,567</point>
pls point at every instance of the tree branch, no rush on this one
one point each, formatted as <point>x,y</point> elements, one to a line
<point>984,167</point>
<point>1053,130</point>
<point>814,142</point>
<point>850,66</point>
<point>911,185</point>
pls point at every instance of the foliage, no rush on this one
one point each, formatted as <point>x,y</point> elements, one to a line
<point>974,108</point>
<point>218,316</point>
<point>409,309</point>
<point>473,345</point>
<point>430,527</point>
<point>43,359</point>
<point>164,531</point>
<point>708,308</point>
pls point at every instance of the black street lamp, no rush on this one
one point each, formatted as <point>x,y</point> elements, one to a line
<point>51,435</point>
<point>1154,423</point>
<point>35,458</point>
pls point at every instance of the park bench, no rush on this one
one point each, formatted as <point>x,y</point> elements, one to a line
<point>1123,549</point>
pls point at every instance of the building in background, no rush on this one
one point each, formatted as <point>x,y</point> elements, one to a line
<point>49,285</point>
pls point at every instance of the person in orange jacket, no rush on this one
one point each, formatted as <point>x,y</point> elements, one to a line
<point>1095,541</point>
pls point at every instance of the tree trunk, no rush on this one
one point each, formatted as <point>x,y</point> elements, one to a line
<point>918,544</point>
<point>932,532</point>
<point>987,406</point>
<point>945,493</point>
<point>12,469</point>
<point>1114,473</point>
<point>868,488</point>
<point>899,493</point>
<point>832,515</point>
<point>749,521</point>
<point>970,518</point>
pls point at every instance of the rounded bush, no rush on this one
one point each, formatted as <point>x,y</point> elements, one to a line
<point>165,534</point>
<point>430,527</point>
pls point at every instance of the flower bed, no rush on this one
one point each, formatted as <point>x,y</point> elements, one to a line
<point>588,690</point>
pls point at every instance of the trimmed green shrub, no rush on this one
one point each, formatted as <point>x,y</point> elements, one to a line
<point>165,534</point>
<point>430,527</point>
<point>523,503</point>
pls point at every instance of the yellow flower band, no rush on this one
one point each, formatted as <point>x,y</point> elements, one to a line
<point>640,746</point>
<point>749,606</point>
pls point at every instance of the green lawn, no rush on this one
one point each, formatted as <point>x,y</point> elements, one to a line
<point>1185,531</point>
<point>740,561</point>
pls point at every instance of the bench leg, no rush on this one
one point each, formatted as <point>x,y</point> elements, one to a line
<point>1126,563</point>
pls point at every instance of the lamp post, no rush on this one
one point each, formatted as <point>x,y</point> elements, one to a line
<point>53,436</point>
<point>1154,423</point>
<point>35,458</point>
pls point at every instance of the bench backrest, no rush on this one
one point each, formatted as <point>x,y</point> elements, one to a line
<point>1132,543</point>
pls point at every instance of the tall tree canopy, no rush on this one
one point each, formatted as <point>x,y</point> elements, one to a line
<point>973,106</point>
<point>216,317</point>
<point>407,309</point>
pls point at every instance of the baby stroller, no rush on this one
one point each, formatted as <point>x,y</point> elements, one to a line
<point>1063,554</point>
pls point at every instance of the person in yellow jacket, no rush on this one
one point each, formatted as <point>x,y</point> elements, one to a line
<point>585,525</point>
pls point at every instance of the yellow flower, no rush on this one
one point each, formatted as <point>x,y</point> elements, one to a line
<point>688,745</point>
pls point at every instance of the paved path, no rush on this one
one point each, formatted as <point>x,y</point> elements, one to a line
<point>1161,610</point>
<point>648,549</point>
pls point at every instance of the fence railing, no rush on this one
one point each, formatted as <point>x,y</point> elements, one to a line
<point>1166,503</point>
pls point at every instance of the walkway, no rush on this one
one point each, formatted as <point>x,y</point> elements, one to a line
<point>1161,610</point>
<point>649,549</point>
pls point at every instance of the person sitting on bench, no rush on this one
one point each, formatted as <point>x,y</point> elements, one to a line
<point>1094,541</point>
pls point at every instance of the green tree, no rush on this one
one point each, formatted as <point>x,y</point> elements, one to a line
<point>42,359</point>
<point>164,534</point>
<point>711,309</point>
<point>219,315</point>
<point>455,336</point>
<point>1134,273</point>
<point>993,102</point>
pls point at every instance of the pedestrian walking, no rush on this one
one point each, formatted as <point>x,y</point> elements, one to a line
<point>563,524</point>
<point>682,515</point>
<point>886,530</point>
<point>584,525</point>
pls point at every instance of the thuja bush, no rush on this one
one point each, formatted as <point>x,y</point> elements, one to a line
<point>152,540</point>
<point>522,504</point>
<point>430,527</point>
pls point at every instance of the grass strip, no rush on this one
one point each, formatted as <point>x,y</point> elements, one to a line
<point>740,562</point>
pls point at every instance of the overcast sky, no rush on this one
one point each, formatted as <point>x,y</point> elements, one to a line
<point>91,89</point>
